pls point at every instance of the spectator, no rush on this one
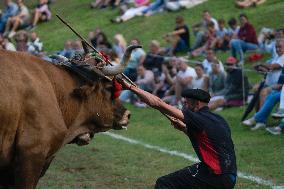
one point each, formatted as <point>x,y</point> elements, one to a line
<point>233,29</point>
<point>35,46</point>
<point>153,60</point>
<point>180,37</point>
<point>280,111</point>
<point>222,42</point>
<point>217,80</point>
<point>93,36</point>
<point>274,71</point>
<point>139,6</point>
<point>20,20</point>
<point>209,60</point>
<point>145,81</point>
<point>68,51</point>
<point>183,79</point>
<point>248,3</point>
<point>10,10</point>
<point>201,81</point>
<point>260,118</point>
<point>137,57</point>
<point>102,42</point>
<point>6,44</point>
<point>233,94</point>
<point>41,13</point>
<point>247,39</point>
<point>210,40</point>
<point>200,29</point>
<point>21,39</point>
<point>77,47</point>
<point>119,45</point>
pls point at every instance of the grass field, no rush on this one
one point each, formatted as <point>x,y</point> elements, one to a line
<point>108,163</point>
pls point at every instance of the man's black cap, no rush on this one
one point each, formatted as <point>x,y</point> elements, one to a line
<point>197,94</point>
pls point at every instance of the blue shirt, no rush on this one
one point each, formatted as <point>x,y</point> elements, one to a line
<point>10,10</point>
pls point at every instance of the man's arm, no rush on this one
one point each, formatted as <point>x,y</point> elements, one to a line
<point>154,101</point>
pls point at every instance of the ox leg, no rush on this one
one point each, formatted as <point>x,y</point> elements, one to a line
<point>28,170</point>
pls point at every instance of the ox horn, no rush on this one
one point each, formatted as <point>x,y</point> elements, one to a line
<point>119,68</point>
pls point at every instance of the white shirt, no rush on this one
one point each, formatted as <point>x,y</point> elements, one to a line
<point>273,76</point>
<point>208,66</point>
<point>189,72</point>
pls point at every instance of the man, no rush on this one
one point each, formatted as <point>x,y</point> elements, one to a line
<point>210,137</point>
<point>247,39</point>
<point>180,37</point>
<point>10,10</point>
<point>183,79</point>
<point>234,94</point>
<point>199,29</point>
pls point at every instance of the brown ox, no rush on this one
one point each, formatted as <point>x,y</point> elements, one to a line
<point>40,112</point>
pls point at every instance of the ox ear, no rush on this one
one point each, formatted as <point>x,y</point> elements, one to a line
<point>84,91</point>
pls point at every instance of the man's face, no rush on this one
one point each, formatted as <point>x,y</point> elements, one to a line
<point>207,16</point>
<point>210,55</point>
<point>280,48</point>
<point>243,20</point>
<point>190,104</point>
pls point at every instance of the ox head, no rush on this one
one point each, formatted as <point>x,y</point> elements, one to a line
<point>105,111</point>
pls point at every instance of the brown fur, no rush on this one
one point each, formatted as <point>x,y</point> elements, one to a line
<point>39,113</point>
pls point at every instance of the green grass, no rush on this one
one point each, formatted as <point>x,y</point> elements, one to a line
<point>108,163</point>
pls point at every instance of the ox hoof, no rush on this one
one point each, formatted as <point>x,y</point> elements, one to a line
<point>83,139</point>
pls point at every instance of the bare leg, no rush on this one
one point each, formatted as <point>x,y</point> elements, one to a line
<point>16,24</point>
<point>36,17</point>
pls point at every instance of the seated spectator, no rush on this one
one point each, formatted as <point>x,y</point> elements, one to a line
<point>68,51</point>
<point>10,10</point>
<point>200,29</point>
<point>233,94</point>
<point>145,81</point>
<point>259,120</point>
<point>180,37</point>
<point>77,47</point>
<point>247,39</point>
<point>153,60</point>
<point>22,39</point>
<point>183,79</point>
<point>41,13</point>
<point>201,81</point>
<point>93,36</point>
<point>137,58</point>
<point>139,6</point>
<point>248,3</point>
<point>273,70</point>
<point>210,60</point>
<point>35,46</point>
<point>119,45</point>
<point>20,20</point>
<point>102,43</point>
<point>267,41</point>
<point>222,35</point>
<point>217,80</point>
<point>210,41</point>
<point>233,29</point>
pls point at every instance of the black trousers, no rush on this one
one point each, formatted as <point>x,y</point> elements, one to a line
<point>193,177</point>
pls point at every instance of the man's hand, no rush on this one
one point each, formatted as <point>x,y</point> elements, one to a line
<point>179,125</point>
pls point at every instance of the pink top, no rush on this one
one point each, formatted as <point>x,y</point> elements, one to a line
<point>44,9</point>
<point>139,3</point>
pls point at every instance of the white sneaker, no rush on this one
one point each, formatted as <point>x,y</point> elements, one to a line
<point>278,114</point>
<point>274,130</point>
<point>258,126</point>
<point>249,122</point>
